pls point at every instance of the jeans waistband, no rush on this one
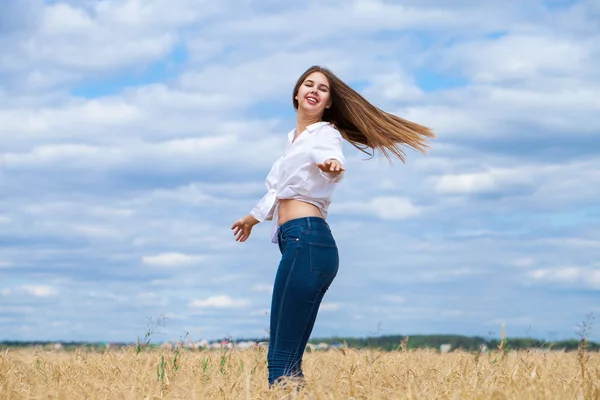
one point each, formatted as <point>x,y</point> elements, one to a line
<point>305,223</point>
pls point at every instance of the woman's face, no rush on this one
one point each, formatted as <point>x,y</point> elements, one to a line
<point>314,94</point>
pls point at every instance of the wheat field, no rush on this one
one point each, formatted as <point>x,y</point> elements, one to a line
<point>334,374</point>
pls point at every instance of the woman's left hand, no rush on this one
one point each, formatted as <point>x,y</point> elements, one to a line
<point>331,166</point>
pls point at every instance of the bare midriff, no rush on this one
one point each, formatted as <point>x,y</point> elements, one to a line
<point>290,209</point>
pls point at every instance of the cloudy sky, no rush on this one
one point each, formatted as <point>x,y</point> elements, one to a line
<point>133,134</point>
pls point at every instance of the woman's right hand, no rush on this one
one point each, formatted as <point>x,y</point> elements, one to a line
<point>243,227</point>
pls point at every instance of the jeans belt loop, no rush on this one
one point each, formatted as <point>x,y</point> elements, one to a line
<point>309,225</point>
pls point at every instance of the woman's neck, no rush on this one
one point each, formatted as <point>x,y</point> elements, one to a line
<point>305,120</point>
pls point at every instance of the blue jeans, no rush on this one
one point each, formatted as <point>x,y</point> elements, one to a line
<point>309,263</point>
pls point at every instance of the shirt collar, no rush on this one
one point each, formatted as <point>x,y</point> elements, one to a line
<point>310,128</point>
<point>316,125</point>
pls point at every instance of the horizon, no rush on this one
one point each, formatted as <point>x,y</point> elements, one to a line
<point>312,339</point>
<point>490,336</point>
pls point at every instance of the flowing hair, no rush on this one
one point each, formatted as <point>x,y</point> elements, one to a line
<point>363,124</point>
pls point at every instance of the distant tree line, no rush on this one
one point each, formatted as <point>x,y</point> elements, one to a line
<point>466,343</point>
<point>386,343</point>
<point>15,344</point>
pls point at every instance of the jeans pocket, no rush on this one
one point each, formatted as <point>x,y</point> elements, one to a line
<point>324,259</point>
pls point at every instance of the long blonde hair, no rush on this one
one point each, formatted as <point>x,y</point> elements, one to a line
<point>363,124</point>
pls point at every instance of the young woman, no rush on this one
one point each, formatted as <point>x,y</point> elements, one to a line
<point>300,185</point>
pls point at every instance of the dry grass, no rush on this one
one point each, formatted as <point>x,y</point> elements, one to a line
<point>335,374</point>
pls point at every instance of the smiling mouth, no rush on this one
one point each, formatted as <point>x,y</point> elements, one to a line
<point>311,100</point>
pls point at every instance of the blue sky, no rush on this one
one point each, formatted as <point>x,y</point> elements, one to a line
<point>133,134</point>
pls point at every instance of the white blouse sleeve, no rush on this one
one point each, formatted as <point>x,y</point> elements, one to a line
<point>263,210</point>
<point>329,145</point>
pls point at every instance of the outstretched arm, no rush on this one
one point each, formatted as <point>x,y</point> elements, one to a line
<point>327,153</point>
<point>262,211</point>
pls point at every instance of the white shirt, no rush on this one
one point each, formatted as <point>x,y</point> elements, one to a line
<point>295,174</point>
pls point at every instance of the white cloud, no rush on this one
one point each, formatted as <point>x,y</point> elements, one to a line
<point>40,290</point>
<point>359,17</point>
<point>566,274</point>
<point>546,185</point>
<point>4,219</point>
<point>221,301</point>
<point>120,34</point>
<point>395,208</point>
<point>483,182</point>
<point>537,114</point>
<point>98,231</point>
<point>263,288</point>
<point>60,18</point>
<point>172,259</point>
<point>576,242</point>
<point>524,262</point>
<point>384,207</point>
<point>521,57</point>
<point>114,137</point>
<point>595,277</point>
<point>395,86</point>
<point>326,306</point>
<point>68,120</point>
<point>584,276</point>
<point>261,312</point>
<point>169,155</point>
<point>394,299</point>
